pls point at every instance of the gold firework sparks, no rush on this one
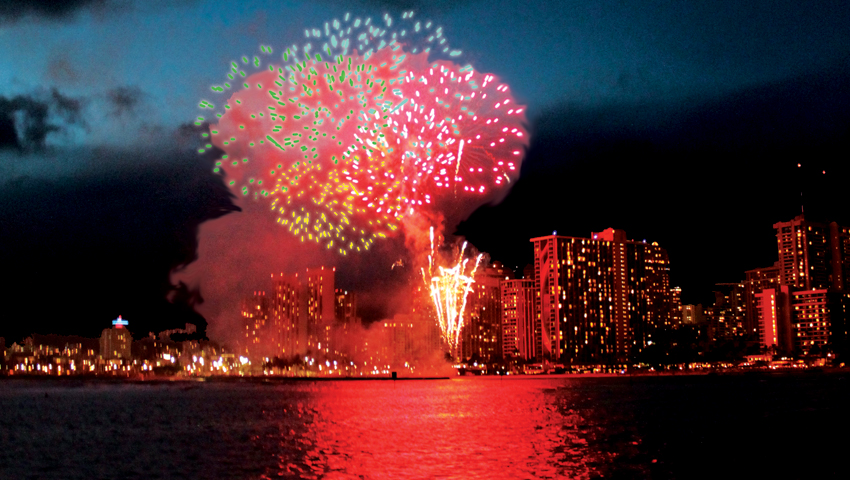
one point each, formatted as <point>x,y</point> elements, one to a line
<point>449,287</point>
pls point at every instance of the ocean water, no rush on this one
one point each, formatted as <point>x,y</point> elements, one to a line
<point>759,426</point>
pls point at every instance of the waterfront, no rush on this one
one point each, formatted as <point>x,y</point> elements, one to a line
<point>784,426</point>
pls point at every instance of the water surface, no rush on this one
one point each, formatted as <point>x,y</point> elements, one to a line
<point>465,428</point>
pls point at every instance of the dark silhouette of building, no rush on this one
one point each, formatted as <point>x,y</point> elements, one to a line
<point>729,316</point>
<point>481,335</point>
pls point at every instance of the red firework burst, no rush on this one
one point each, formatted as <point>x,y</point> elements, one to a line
<point>344,149</point>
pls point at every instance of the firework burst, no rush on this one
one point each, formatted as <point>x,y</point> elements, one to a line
<point>449,287</point>
<point>346,143</point>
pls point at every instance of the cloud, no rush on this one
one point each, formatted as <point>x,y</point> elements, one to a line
<point>61,69</point>
<point>124,100</point>
<point>27,120</point>
<point>101,239</point>
<point>14,10</point>
<point>43,120</point>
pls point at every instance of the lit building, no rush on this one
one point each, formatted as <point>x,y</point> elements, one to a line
<point>773,311</point>
<point>757,280</point>
<point>345,307</point>
<point>318,288</point>
<point>692,314</point>
<point>815,262</point>
<point>804,254</point>
<point>600,299</point>
<point>811,319</point>
<point>346,330</point>
<point>481,334</point>
<point>766,311</point>
<point>395,345</point>
<point>839,245</point>
<point>423,307</point>
<point>289,325</point>
<point>518,335</point>
<point>258,337</point>
<point>839,296</point>
<point>839,317</point>
<point>116,342</point>
<point>676,306</point>
<point>301,313</point>
<point>728,317</point>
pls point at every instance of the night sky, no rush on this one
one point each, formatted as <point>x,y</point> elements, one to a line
<point>681,122</point>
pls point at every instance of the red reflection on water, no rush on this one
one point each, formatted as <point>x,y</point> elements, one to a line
<point>462,428</point>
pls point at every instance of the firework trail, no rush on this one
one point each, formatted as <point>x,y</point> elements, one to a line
<point>347,143</point>
<point>449,287</point>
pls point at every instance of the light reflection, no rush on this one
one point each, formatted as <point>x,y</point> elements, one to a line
<point>438,429</point>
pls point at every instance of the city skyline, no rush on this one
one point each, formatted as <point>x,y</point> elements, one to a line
<point>424,239</point>
<point>512,317</point>
<point>672,136</point>
<point>601,301</point>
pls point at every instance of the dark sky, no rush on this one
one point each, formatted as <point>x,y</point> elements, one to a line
<point>681,122</point>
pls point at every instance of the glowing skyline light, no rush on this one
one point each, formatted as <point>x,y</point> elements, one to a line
<point>120,322</point>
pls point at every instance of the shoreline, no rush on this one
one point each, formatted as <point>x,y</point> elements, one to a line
<point>279,379</point>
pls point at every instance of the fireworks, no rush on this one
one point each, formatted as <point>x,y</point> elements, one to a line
<point>449,289</point>
<point>346,143</point>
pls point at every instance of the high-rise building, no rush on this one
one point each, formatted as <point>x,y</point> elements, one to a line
<point>814,259</point>
<point>345,307</point>
<point>518,334</point>
<point>601,299</point>
<point>757,280</point>
<point>346,331</point>
<point>766,313</point>
<point>398,339</point>
<point>481,335</point>
<point>839,245</point>
<point>839,317</point>
<point>676,306</point>
<point>295,320</point>
<point>804,254</point>
<point>116,342</point>
<point>258,337</point>
<point>728,317</point>
<point>407,340</point>
<point>811,319</point>
<point>288,319</point>
<point>773,310</point>
<point>650,269</point>
<point>692,314</point>
<point>318,288</point>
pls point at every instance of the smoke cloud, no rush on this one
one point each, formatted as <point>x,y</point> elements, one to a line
<point>238,253</point>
